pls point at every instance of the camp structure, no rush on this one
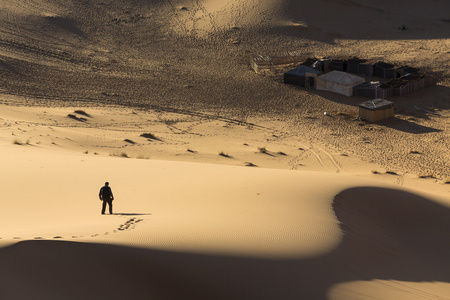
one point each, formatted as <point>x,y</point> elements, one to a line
<point>406,70</point>
<point>400,86</point>
<point>359,66</point>
<point>384,70</point>
<point>376,110</point>
<point>273,63</point>
<point>338,65</point>
<point>338,82</point>
<point>301,75</point>
<point>374,90</point>
<point>417,81</point>
<point>323,64</point>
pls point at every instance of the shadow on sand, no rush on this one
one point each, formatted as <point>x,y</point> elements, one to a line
<point>388,235</point>
<point>131,214</point>
<point>406,126</point>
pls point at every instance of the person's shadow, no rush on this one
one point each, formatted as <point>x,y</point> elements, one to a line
<point>131,214</point>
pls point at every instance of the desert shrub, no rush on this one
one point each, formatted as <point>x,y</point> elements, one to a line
<point>391,173</point>
<point>149,135</point>
<point>82,112</point>
<point>224,154</point>
<point>427,176</point>
<point>262,149</point>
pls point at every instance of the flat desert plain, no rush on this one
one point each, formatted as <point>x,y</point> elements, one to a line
<point>228,184</point>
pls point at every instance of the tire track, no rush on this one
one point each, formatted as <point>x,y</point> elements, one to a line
<point>323,157</point>
<point>321,161</point>
<point>177,20</point>
<point>333,161</point>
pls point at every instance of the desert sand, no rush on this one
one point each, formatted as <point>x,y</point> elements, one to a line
<point>228,184</point>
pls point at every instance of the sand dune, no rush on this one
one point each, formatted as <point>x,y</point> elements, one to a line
<point>227,184</point>
<point>189,230</point>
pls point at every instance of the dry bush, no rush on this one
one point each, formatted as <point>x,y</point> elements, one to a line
<point>224,154</point>
<point>150,136</point>
<point>18,142</point>
<point>427,176</point>
<point>391,172</point>
<point>262,149</point>
<point>82,112</point>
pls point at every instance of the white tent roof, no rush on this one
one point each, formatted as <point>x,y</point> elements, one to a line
<point>342,78</point>
<point>338,82</point>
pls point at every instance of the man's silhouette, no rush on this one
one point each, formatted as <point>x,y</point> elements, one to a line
<point>106,196</point>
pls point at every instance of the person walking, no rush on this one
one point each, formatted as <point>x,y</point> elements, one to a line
<point>107,197</point>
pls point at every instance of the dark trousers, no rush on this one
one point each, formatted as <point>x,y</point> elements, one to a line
<point>104,206</point>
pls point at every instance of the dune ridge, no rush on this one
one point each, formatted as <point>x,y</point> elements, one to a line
<point>228,184</point>
<point>382,250</point>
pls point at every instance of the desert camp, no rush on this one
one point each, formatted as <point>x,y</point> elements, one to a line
<point>225,181</point>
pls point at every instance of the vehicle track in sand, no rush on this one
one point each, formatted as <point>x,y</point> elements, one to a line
<point>323,157</point>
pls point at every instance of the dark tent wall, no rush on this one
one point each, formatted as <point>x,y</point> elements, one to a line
<point>374,90</point>
<point>300,75</point>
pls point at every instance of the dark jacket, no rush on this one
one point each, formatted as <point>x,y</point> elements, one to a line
<point>106,194</point>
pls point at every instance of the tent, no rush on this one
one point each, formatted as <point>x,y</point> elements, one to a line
<point>338,65</point>
<point>301,75</point>
<point>384,70</point>
<point>406,70</point>
<point>322,64</point>
<point>374,89</point>
<point>338,82</point>
<point>359,66</point>
<point>401,86</point>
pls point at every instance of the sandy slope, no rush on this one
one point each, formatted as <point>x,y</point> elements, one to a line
<point>184,230</point>
<point>332,208</point>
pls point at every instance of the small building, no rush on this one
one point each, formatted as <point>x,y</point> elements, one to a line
<point>376,110</point>
<point>301,75</point>
<point>338,82</point>
<point>374,90</point>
